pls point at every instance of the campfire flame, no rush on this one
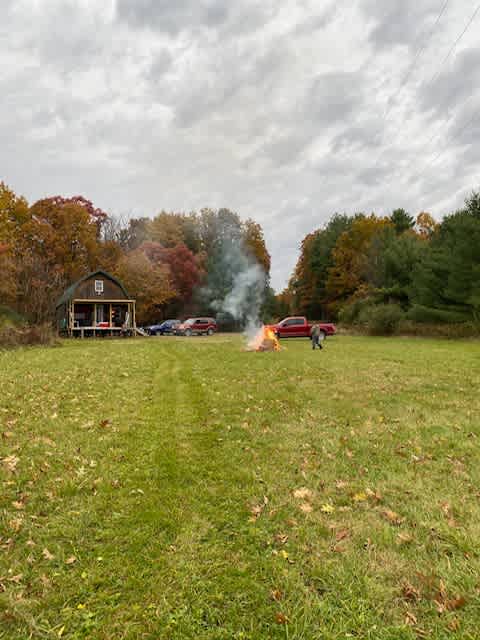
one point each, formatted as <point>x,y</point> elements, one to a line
<point>264,340</point>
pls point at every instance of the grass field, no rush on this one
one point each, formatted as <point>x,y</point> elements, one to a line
<point>182,488</point>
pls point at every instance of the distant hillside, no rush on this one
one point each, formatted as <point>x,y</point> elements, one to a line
<point>10,318</point>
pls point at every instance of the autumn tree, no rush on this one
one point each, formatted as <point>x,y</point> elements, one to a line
<point>307,287</point>
<point>349,273</point>
<point>148,281</point>
<point>14,214</point>
<point>254,242</point>
<point>425,225</point>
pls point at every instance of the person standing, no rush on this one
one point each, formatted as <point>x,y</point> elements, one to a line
<point>315,336</point>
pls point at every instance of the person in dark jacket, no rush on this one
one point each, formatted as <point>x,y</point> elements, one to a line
<point>315,337</point>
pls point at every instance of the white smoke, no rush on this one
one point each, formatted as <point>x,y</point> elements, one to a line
<point>243,298</point>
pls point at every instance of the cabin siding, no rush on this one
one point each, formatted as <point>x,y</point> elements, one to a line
<point>111,290</point>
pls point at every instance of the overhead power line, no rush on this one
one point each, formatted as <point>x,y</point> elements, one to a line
<point>454,46</point>
<point>434,77</point>
<point>410,70</point>
<point>473,119</point>
<point>417,57</point>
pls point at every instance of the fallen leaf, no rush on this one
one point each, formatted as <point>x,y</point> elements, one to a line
<point>374,495</point>
<point>338,549</point>
<point>454,625</point>
<point>10,463</point>
<point>280,618</point>
<point>105,423</point>
<point>18,505</point>
<point>360,497</point>
<point>71,560</point>
<point>281,538</point>
<point>342,534</point>
<point>455,603</point>
<point>306,507</point>
<point>327,508</point>
<point>15,524</point>
<point>410,619</point>
<point>410,593</point>
<point>276,595</point>
<point>47,555</point>
<point>392,517</point>
<point>45,581</point>
<point>404,538</point>
<point>257,510</point>
<point>341,484</point>
<point>302,494</point>
<point>16,579</point>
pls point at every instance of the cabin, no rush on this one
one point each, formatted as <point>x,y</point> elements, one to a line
<point>97,304</point>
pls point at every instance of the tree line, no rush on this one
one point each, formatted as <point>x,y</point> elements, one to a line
<point>174,264</point>
<point>363,268</point>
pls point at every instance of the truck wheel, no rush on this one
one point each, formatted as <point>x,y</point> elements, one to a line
<point>323,335</point>
<point>210,332</point>
<point>188,333</point>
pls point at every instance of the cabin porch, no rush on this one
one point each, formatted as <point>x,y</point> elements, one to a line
<point>85,318</point>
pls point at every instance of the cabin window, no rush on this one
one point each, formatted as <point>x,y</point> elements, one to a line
<point>99,286</point>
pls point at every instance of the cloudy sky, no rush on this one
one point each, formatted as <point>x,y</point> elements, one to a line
<point>283,110</point>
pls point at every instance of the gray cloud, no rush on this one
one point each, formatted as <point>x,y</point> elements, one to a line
<point>281,111</point>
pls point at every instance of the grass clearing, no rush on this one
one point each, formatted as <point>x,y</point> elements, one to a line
<point>182,488</point>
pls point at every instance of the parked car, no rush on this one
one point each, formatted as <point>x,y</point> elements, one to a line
<point>197,326</point>
<point>164,328</point>
<point>299,327</point>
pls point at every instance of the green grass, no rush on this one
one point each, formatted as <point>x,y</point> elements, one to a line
<point>148,490</point>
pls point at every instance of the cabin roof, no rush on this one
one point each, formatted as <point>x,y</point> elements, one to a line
<point>68,293</point>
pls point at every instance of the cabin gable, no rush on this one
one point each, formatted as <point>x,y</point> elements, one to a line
<point>99,286</point>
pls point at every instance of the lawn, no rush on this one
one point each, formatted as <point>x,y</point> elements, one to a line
<point>183,488</point>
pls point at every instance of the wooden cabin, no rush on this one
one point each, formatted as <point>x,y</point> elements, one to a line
<point>97,304</point>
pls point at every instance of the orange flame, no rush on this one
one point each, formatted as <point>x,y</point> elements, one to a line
<point>264,340</point>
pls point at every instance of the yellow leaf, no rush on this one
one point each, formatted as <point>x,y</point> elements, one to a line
<point>360,497</point>
<point>327,508</point>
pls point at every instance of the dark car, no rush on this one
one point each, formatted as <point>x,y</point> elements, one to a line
<point>164,328</point>
<point>197,326</point>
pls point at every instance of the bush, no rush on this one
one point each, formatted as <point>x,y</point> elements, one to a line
<point>422,329</point>
<point>428,315</point>
<point>350,313</point>
<point>381,319</point>
<point>10,318</point>
<point>11,337</point>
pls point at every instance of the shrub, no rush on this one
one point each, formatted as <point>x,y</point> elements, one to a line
<point>349,314</point>
<point>11,337</point>
<point>443,330</point>
<point>381,319</point>
<point>428,315</point>
<point>10,318</point>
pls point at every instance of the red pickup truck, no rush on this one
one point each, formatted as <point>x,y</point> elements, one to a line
<point>299,327</point>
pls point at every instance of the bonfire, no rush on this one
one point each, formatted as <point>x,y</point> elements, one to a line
<point>264,340</point>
